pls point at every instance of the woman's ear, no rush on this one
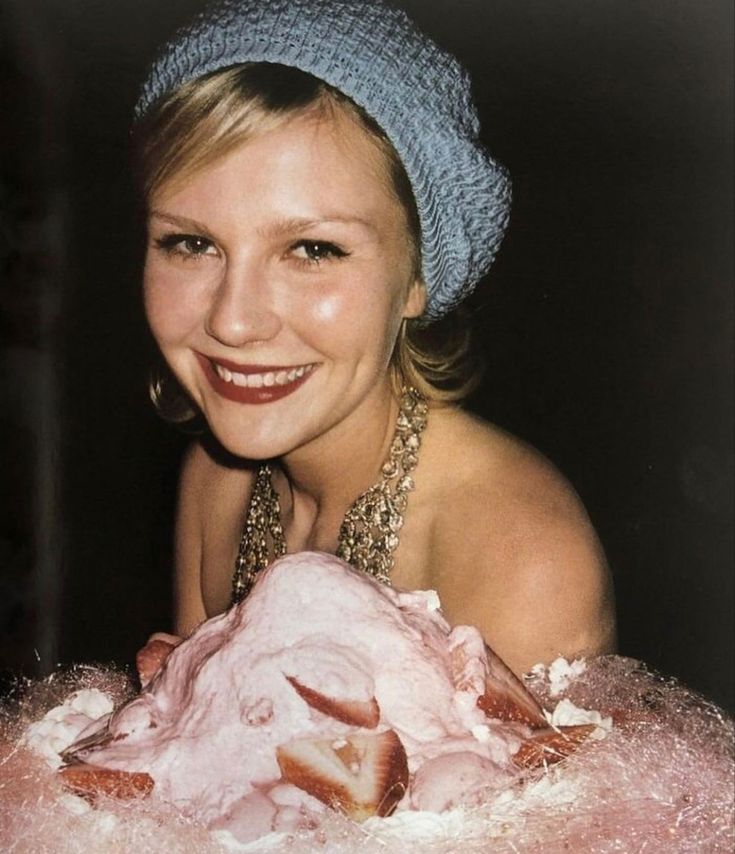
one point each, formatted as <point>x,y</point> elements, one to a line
<point>415,299</point>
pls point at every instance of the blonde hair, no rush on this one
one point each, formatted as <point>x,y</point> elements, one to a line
<point>205,119</point>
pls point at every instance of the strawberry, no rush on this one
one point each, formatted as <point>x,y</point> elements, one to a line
<point>549,746</point>
<point>90,782</point>
<point>364,713</point>
<point>151,657</point>
<point>506,698</point>
<point>361,775</point>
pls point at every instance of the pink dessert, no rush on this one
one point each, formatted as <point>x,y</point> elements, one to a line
<point>322,688</point>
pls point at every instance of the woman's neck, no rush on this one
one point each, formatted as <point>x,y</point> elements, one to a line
<point>319,481</point>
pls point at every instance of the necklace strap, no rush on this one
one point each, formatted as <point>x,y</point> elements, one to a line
<point>262,535</point>
<point>370,530</point>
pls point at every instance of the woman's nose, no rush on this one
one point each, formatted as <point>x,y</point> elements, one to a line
<point>242,310</point>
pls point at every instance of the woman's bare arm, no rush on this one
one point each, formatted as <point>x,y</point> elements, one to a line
<point>214,493</point>
<point>555,599</point>
<point>522,562</point>
<point>189,609</point>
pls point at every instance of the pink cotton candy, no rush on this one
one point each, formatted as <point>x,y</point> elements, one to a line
<point>664,786</point>
<point>661,781</point>
<point>207,727</point>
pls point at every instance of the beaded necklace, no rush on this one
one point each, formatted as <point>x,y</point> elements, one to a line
<point>369,533</point>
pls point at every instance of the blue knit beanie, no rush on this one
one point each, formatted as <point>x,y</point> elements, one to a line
<point>415,91</point>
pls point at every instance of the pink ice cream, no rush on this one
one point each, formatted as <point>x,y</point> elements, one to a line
<point>211,726</point>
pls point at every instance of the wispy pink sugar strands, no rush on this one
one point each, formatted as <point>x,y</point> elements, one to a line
<point>663,783</point>
<point>33,816</point>
<point>34,819</point>
<point>32,699</point>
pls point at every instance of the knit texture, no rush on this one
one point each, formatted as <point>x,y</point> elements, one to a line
<point>417,92</point>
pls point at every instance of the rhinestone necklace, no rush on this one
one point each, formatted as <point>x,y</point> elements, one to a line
<point>369,533</point>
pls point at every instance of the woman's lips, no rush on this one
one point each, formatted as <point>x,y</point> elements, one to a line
<point>253,383</point>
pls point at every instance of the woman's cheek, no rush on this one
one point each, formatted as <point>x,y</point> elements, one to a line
<point>172,310</point>
<point>342,321</point>
<point>328,308</point>
<point>357,298</point>
<point>158,309</point>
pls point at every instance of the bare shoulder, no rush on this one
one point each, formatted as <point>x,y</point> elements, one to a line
<point>514,551</point>
<point>213,493</point>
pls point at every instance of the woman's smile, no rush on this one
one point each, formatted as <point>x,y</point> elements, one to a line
<point>254,383</point>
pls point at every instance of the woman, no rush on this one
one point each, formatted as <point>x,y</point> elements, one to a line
<point>315,196</point>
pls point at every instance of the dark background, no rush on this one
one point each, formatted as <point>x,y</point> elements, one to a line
<point>606,321</point>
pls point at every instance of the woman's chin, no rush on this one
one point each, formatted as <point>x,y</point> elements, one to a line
<point>237,446</point>
<point>248,445</point>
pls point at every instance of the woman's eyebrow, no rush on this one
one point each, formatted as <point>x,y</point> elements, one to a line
<point>179,221</point>
<point>296,223</point>
<point>287,225</point>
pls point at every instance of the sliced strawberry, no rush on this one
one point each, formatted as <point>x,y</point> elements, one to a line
<point>551,745</point>
<point>361,775</point>
<point>90,782</point>
<point>150,658</point>
<point>506,698</point>
<point>365,713</point>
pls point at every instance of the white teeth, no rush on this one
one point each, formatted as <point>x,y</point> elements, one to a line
<point>240,379</point>
<point>269,378</point>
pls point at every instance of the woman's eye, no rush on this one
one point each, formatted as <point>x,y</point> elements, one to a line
<point>315,251</point>
<point>187,245</point>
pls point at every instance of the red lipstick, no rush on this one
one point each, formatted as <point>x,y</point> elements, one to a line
<point>245,394</point>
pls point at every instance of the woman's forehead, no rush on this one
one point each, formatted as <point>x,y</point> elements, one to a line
<point>325,153</point>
